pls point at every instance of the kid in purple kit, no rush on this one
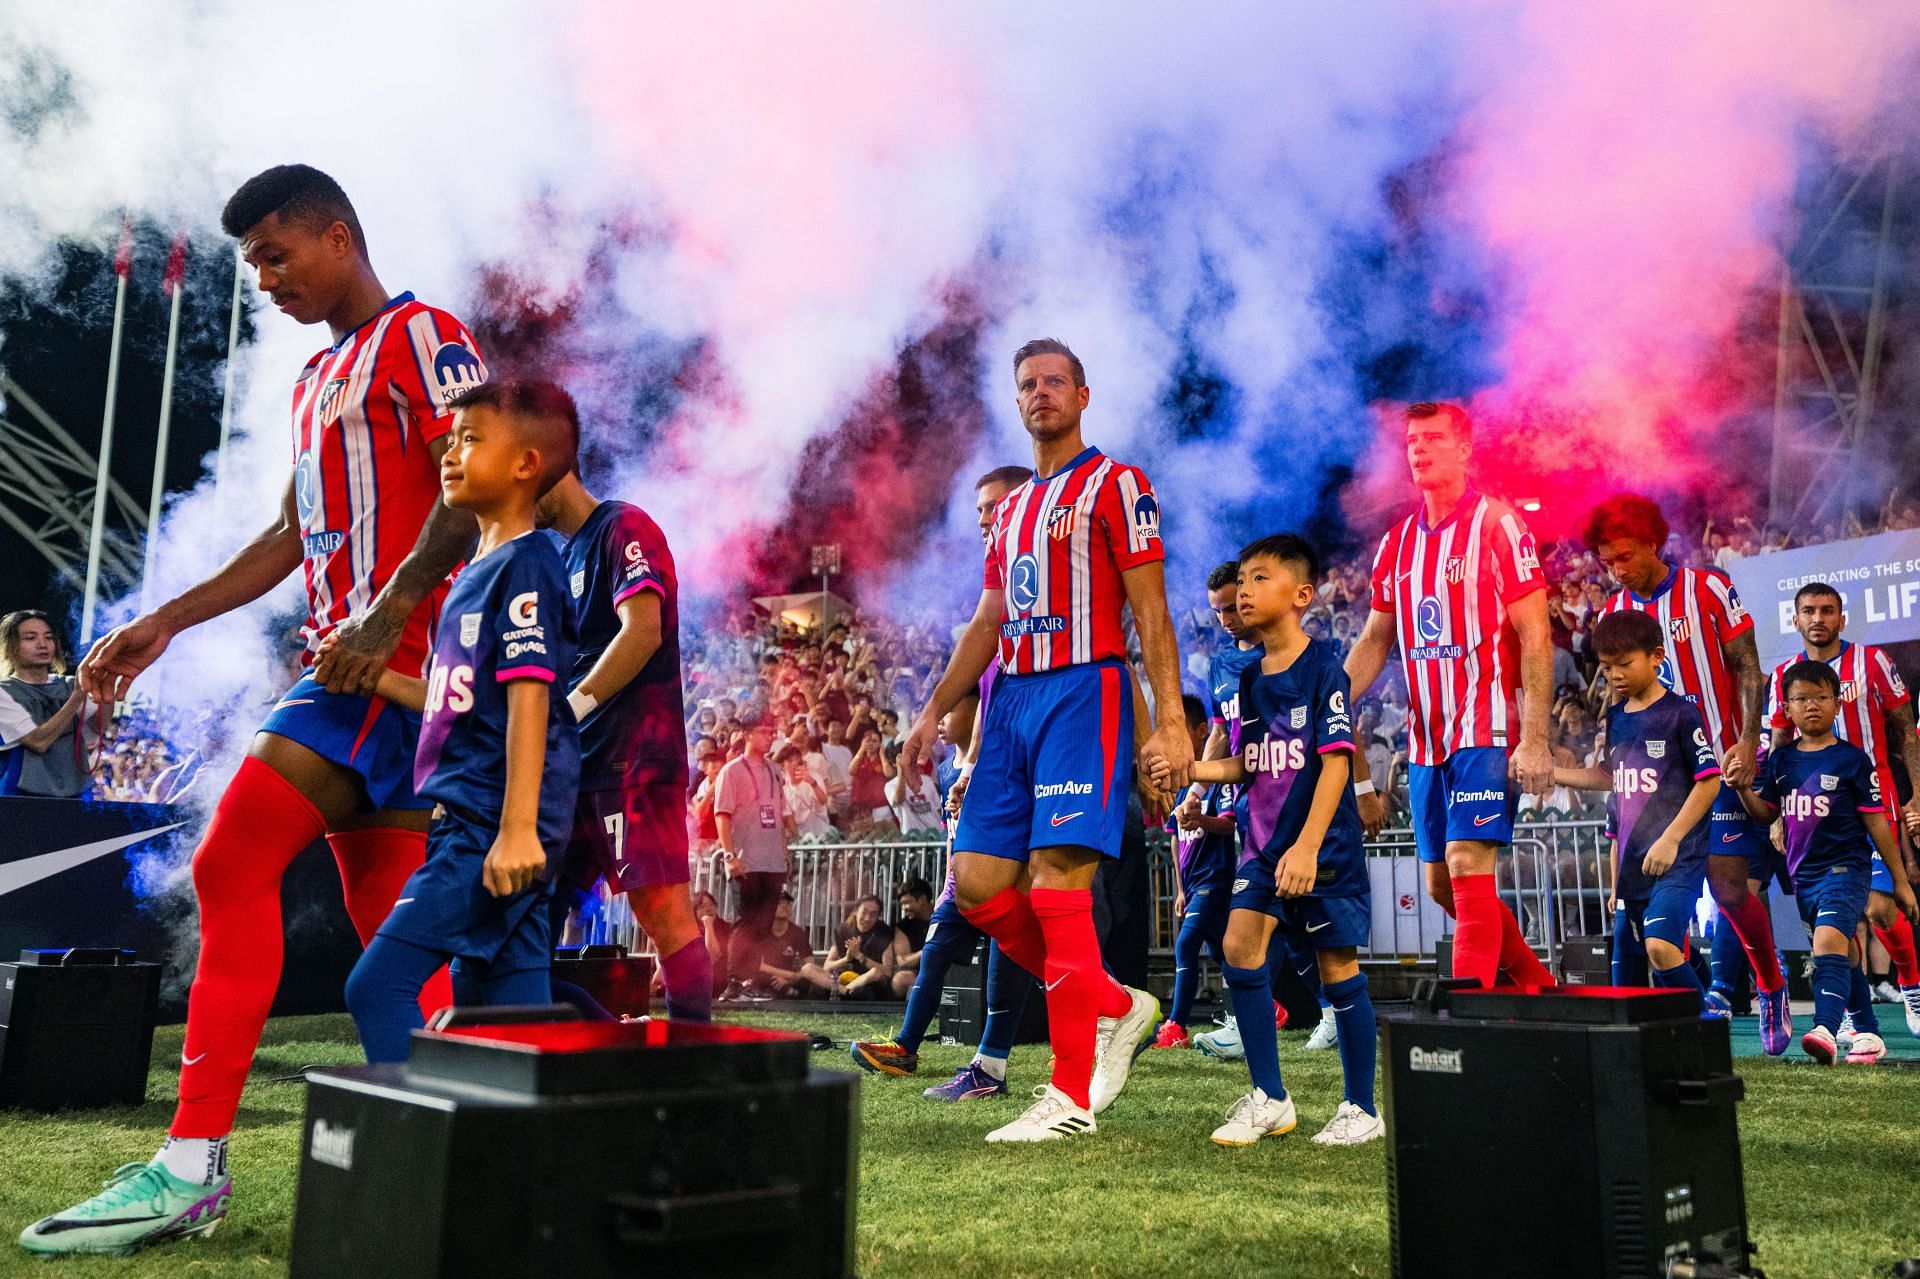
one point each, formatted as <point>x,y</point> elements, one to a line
<point>630,823</point>
<point>1827,796</point>
<point>499,754</point>
<point>1303,868</point>
<point>1665,779</point>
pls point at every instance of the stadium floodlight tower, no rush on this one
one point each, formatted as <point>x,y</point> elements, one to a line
<point>1839,284</point>
<point>47,484</point>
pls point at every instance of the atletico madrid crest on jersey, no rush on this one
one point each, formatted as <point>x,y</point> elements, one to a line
<point>1680,628</point>
<point>1456,569</point>
<point>1060,521</point>
<point>1849,691</point>
<point>332,399</point>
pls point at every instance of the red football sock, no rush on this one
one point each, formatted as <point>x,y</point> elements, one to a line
<point>1079,991</point>
<point>259,826</point>
<point>1517,959</point>
<point>1899,943</point>
<point>1477,932</point>
<point>1008,918</point>
<point>374,866</point>
<point>1751,924</point>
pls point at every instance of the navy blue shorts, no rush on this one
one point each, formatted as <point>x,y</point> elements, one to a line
<point>1732,832</point>
<point>369,735</point>
<point>1834,898</point>
<point>1208,904</point>
<point>1881,879</point>
<point>632,837</point>
<point>445,907</point>
<point>1670,903</point>
<point>1055,765</point>
<point>1464,796</point>
<point>1317,923</point>
<point>948,923</point>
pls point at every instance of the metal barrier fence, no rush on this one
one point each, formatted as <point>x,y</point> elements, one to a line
<point>1555,878</point>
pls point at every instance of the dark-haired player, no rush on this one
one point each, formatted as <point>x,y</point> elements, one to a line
<point>950,938</point>
<point>1712,661</point>
<point>499,752</point>
<point>1664,778</point>
<point>1875,713</point>
<point>631,825</point>
<point>362,517</point>
<point>1827,797</point>
<point>1303,866</point>
<point>1458,585</point>
<point>1048,798</point>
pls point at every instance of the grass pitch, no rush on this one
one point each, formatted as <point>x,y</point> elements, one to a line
<point>1831,1160</point>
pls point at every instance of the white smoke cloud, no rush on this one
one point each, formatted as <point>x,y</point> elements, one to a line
<point>1139,181</point>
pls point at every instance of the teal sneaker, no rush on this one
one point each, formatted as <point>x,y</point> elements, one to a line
<point>142,1204</point>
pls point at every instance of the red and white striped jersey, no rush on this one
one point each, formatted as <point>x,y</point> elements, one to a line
<point>1449,588</point>
<point>1701,614</point>
<point>1870,686</point>
<point>364,481</point>
<point>1057,549</point>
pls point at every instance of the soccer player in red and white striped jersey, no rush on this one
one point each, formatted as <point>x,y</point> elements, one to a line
<point>362,513</point>
<point>1713,662</point>
<point>1876,714</point>
<point>1457,584</point>
<point>1048,795</point>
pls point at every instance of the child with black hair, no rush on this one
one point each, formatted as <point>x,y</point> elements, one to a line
<point>1827,797</point>
<point>1663,778</point>
<point>1303,867</point>
<point>499,750</point>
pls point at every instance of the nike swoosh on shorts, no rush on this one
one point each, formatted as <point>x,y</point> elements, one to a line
<point>1490,817</point>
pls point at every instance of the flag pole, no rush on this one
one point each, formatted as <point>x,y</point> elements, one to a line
<point>122,266</point>
<point>171,284</point>
<point>226,396</point>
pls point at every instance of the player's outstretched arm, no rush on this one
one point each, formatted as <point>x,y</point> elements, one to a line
<point>256,568</point>
<point>633,646</point>
<point>1369,654</point>
<point>1230,769</point>
<point>368,638</point>
<point>402,690</point>
<point>516,857</point>
<point>964,669</point>
<point>1532,758</point>
<point>1146,587</point>
<point>1744,653</point>
<point>1583,778</point>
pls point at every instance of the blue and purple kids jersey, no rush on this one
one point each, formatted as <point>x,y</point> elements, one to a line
<point>616,554</point>
<point>507,618</point>
<point>1224,669</point>
<point>1658,753</point>
<point>1202,855</point>
<point>1821,795</point>
<point>1287,722</point>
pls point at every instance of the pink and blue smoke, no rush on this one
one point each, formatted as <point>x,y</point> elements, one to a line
<point>782,253</point>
